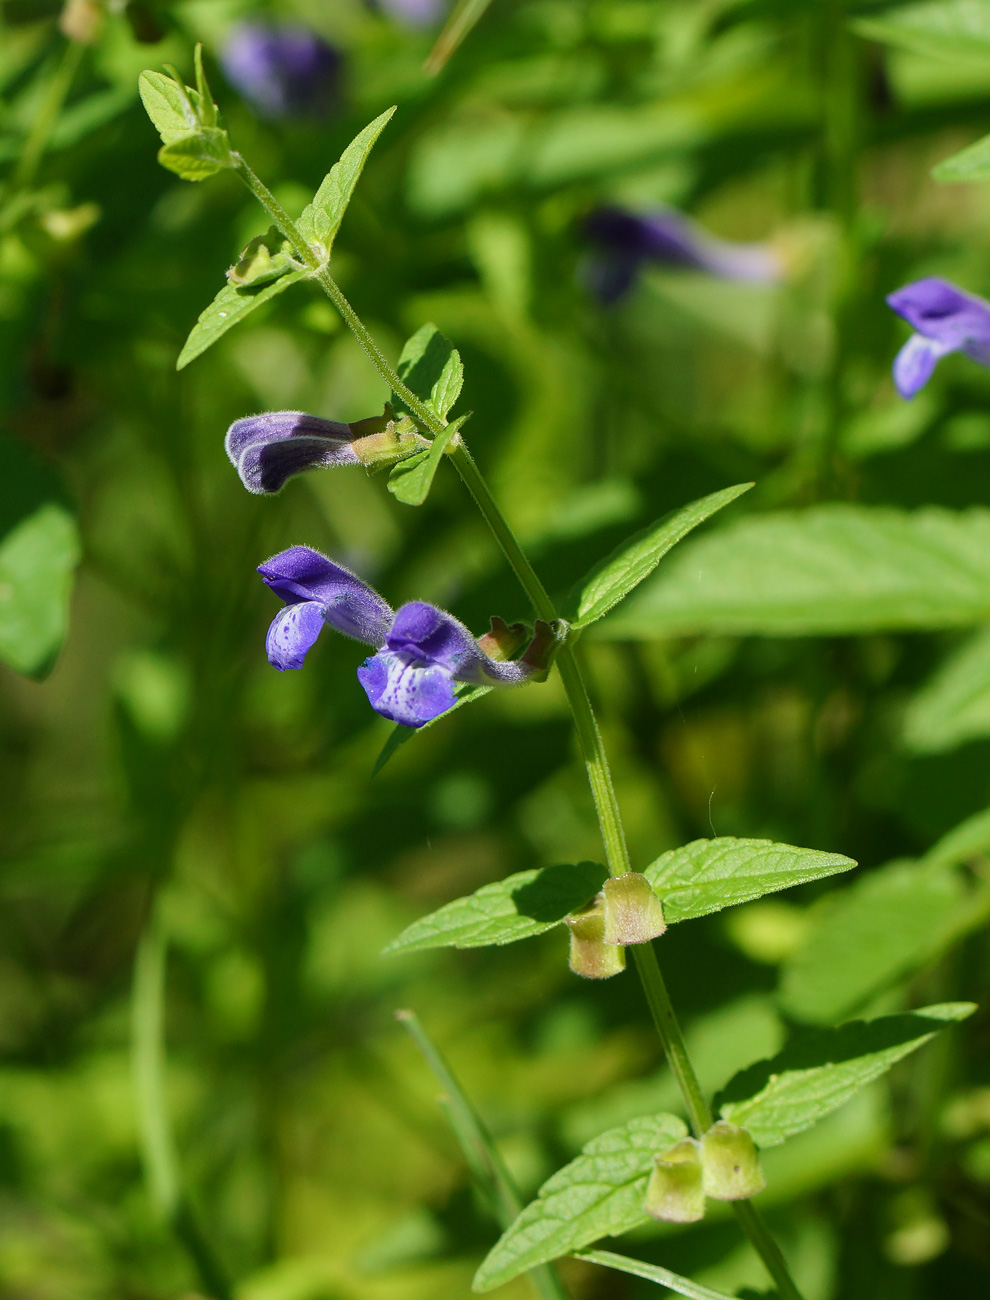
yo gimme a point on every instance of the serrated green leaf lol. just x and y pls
(885, 924)
(410, 481)
(627, 566)
(954, 705)
(321, 219)
(652, 1273)
(168, 106)
(708, 875)
(950, 28)
(196, 156)
(969, 164)
(597, 1195)
(823, 1068)
(38, 557)
(230, 306)
(518, 907)
(431, 366)
(831, 569)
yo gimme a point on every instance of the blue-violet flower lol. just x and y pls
(270, 448)
(282, 70)
(946, 319)
(626, 240)
(422, 650)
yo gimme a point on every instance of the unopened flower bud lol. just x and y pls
(674, 1192)
(633, 913)
(730, 1164)
(590, 955)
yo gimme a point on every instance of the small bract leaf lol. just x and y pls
(613, 579)
(833, 569)
(168, 106)
(321, 219)
(410, 481)
(431, 366)
(197, 156)
(821, 1069)
(518, 907)
(707, 875)
(231, 305)
(597, 1195)
(970, 164)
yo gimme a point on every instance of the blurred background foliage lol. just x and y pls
(162, 756)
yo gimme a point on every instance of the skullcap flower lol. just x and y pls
(626, 240)
(946, 319)
(282, 70)
(422, 650)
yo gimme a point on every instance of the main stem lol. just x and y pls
(592, 749)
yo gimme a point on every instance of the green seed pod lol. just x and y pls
(674, 1192)
(633, 913)
(730, 1164)
(590, 955)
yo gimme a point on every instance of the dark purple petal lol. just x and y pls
(282, 70)
(348, 604)
(268, 449)
(405, 691)
(627, 239)
(423, 634)
(293, 630)
(941, 311)
(914, 364)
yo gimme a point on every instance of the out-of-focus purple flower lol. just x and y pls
(268, 449)
(426, 650)
(624, 241)
(282, 70)
(946, 320)
(318, 591)
(414, 13)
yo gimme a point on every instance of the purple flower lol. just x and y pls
(625, 240)
(318, 591)
(946, 320)
(426, 651)
(422, 650)
(414, 13)
(268, 449)
(281, 70)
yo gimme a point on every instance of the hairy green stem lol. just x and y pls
(157, 1144)
(480, 1151)
(593, 751)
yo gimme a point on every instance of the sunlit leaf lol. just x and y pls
(969, 164)
(410, 481)
(821, 1069)
(627, 566)
(321, 219)
(230, 306)
(653, 1273)
(831, 569)
(707, 875)
(197, 156)
(518, 907)
(597, 1195)
(431, 366)
(168, 106)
